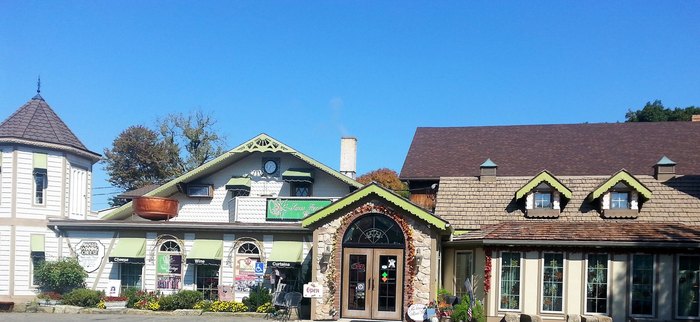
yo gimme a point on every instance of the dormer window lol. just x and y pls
(543, 196)
(620, 196)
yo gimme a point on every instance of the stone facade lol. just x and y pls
(418, 287)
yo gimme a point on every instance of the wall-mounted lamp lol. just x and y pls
(326, 256)
(418, 259)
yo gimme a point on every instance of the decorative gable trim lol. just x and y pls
(625, 176)
(547, 177)
(383, 193)
(260, 143)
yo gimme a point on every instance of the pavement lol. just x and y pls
(53, 317)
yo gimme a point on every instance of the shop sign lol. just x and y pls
(90, 254)
(281, 264)
(127, 260)
(416, 312)
(293, 209)
(203, 261)
(313, 290)
(169, 264)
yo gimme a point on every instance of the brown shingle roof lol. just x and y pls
(567, 149)
(549, 231)
(468, 203)
(35, 121)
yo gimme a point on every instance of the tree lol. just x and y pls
(139, 157)
(387, 178)
(656, 112)
(60, 276)
(196, 134)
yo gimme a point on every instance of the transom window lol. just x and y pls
(170, 246)
(248, 248)
(374, 230)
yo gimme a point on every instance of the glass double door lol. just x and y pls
(372, 283)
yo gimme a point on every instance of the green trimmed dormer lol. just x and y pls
(543, 196)
(620, 196)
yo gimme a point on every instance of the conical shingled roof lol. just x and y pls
(35, 122)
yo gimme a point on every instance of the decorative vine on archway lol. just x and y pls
(332, 276)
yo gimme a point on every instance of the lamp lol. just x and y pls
(418, 259)
(325, 256)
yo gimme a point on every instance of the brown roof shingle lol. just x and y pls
(35, 121)
(565, 149)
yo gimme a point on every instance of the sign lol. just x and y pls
(226, 293)
(203, 261)
(113, 288)
(127, 260)
(169, 264)
(259, 268)
(416, 312)
(313, 290)
(293, 209)
(90, 254)
(282, 264)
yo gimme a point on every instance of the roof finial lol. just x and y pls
(38, 85)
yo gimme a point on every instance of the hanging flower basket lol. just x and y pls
(155, 208)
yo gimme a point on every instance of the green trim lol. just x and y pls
(383, 193)
(260, 143)
(549, 179)
(240, 183)
(38, 243)
(129, 247)
(207, 249)
(286, 251)
(304, 175)
(40, 160)
(625, 176)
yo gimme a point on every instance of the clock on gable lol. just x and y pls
(270, 166)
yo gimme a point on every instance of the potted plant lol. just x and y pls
(445, 311)
(114, 302)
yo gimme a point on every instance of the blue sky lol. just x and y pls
(310, 72)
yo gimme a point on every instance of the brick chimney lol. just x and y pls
(665, 169)
(488, 171)
(348, 156)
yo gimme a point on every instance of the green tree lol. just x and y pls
(195, 136)
(387, 178)
(60, 276)
(139, 157)
(656, 112)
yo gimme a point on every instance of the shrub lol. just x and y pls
(50, 296)
(258, 296)
(131, 296)
(180, 300)
(145, 300)
(61, 276)
(83, 297)
(265, 308)
(204, 305)
(461, 314)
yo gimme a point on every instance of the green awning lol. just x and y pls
(37, 243)
(240, 183)
(40, 160)
(206, 252)
(129, 250)
(286, 253)
(300, 175)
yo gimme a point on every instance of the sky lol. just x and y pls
(309, 72)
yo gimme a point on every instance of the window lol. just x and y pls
(248, 248)
(642, 284)
(619, 200)
(597, 284)
(39, 187)
(510, 281)
(463, 271)
(37, 259)
(130, 275)
(199, 191)
(169, 265)
(543, 200)
(247, 255)
(207, 279)
(553, 282)
(300, 189)
(687, 286)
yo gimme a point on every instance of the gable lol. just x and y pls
(547, 177)
(374, 189)
(621, 176)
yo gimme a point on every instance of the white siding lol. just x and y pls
(22, 269)
(5, 240)
(5, 182)
(227, 262)
(98, 279)
(149, 273)
(188, 281)
(25, 185)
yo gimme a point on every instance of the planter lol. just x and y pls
(155, 208)
(115, 305)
